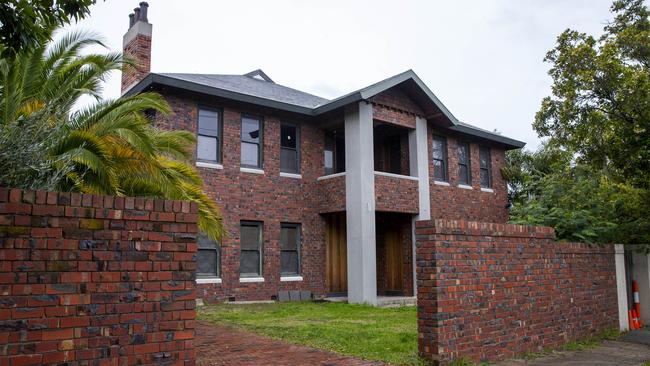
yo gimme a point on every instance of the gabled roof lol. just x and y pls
(429, 102)
(257, 88)
(260, 75)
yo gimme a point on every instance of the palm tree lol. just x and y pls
(107, 148)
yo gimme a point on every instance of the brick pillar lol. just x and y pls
(137, 48)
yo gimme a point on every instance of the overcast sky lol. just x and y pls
(482, 58)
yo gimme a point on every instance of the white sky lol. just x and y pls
(482, 58)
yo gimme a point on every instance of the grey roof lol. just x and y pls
(263, 91)
(466, 128)
(247, 84)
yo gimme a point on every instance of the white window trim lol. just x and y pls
(465, 186)
(488, 190)
(251, 170)
(208, 280)
(330, 176)
(393, 175)
(291, 175)
(291, 278)
(441, 183)
(251, 279)
(203, 164)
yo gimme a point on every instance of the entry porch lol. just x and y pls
(393, 281)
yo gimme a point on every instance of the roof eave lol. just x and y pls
(510, 144)
(157, 79)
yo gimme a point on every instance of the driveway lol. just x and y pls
(219, 345)
(607, 354)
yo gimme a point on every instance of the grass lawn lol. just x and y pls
(381, 334)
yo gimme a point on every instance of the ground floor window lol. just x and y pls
(290, 249)
(208, 261)
(250, 263)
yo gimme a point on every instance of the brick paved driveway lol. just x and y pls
(218, 345)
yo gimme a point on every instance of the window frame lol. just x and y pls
(444, 160)
(297, 149)
(260, 149)
(334, 137)
(260, 246)
(217, 250)
(298, 250)
(488, 168)
(468, 165)
(219, 138)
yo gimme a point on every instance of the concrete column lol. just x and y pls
(360, 204)
(419, 160)
(419, 166)
(623, 323)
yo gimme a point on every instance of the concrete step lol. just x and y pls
(383, 301)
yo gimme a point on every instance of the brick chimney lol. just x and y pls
(137, 47)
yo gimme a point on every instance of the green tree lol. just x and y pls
(549, 188)
(108, 148)
(591, 179)
(600, 103)
(24, 24)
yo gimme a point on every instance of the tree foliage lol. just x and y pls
(591, 180)
(600, 103)
(583, 204)
(109, 147)
(25, 24)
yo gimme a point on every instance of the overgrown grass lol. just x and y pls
(580, 345)
(381, 334)
(592, 342)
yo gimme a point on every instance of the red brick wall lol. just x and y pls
(98, 278)
(394, 106)
(266, 197)
(139, 51)
(394, 194)
(492, 291)
(455, 203)
(332, 194)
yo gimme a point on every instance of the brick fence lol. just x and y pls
(95, 280)
(493, 291)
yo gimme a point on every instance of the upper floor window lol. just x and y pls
(290, 249)
(289, 148)
(334, 152)
(208, 146)
(464, 168)
(486, 166)
(251, 142)
(440, 158)
(250, 260)
(208, 259)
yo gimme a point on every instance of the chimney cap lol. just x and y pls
(143, 11)
(139, 14)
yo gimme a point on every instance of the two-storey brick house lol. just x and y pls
(322, 195)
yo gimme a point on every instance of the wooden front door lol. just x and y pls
(337, 259)
(394, 271)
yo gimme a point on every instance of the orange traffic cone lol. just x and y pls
(637, 303)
